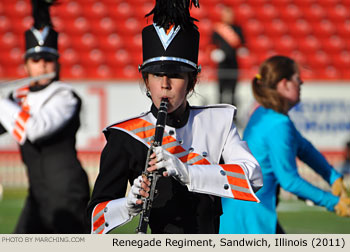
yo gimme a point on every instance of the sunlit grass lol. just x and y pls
(294, 215)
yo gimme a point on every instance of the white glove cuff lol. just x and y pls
(8, 113)
(208, 179)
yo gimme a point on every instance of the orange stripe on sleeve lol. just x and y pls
(232, 168)
(189, 157)
(100, 207)
(23, 116)
(203, 161)
(19, 126)
(243, 196)
(100, 221)
(21, 92)
(238, 182)
(17, 135)
(25, 107)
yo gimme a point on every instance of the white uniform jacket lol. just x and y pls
(33, 115)
(219, 162)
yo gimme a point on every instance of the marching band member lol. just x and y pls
(202, 153)
(227, 37)
(276, 143)
(43, 117)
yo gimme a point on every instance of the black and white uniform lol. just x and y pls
(203, 137)
(228, 69)
(44, 122)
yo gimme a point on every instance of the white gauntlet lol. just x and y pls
(132, 197)
(172, 164)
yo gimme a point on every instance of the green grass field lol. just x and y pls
(295, 217)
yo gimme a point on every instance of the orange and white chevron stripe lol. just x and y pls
(238, 182)
(98, 218)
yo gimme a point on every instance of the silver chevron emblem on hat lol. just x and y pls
(166, 36)
(41, 35)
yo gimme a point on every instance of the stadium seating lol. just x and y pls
(101, 39)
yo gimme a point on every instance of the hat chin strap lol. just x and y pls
(169, 58)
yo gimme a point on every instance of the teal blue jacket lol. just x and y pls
(276, 143)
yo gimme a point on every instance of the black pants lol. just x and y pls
(227, 83)
(37, 218)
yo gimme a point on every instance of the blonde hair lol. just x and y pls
(271, 72)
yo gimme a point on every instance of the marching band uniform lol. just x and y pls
(177, 208)
(227, 37)
(202, 141)
(44, 119)
(44, 123)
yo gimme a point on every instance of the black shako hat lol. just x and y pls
(41, 40)
(171, 43)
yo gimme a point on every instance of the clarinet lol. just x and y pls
(153, 176)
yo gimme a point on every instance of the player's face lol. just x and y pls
(40, 66)
(171, 86)
(292, 90)
(227, 15)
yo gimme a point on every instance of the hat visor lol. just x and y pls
(167, 67)
(42, 55)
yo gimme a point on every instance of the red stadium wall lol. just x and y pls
(101, 39)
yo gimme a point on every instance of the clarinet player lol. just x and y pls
(202, 154)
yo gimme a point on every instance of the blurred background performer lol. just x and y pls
(276, 143)
(344, 168)
(43, 117)
(194, 142)
(227, 37)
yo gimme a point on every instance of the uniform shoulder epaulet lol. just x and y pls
(223, 105)
(59, 85)
(125, 120)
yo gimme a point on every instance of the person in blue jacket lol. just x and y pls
(276, 143)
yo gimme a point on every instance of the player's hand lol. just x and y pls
(138, 190)
(339, 189)
(173, 166)
(343, 207)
